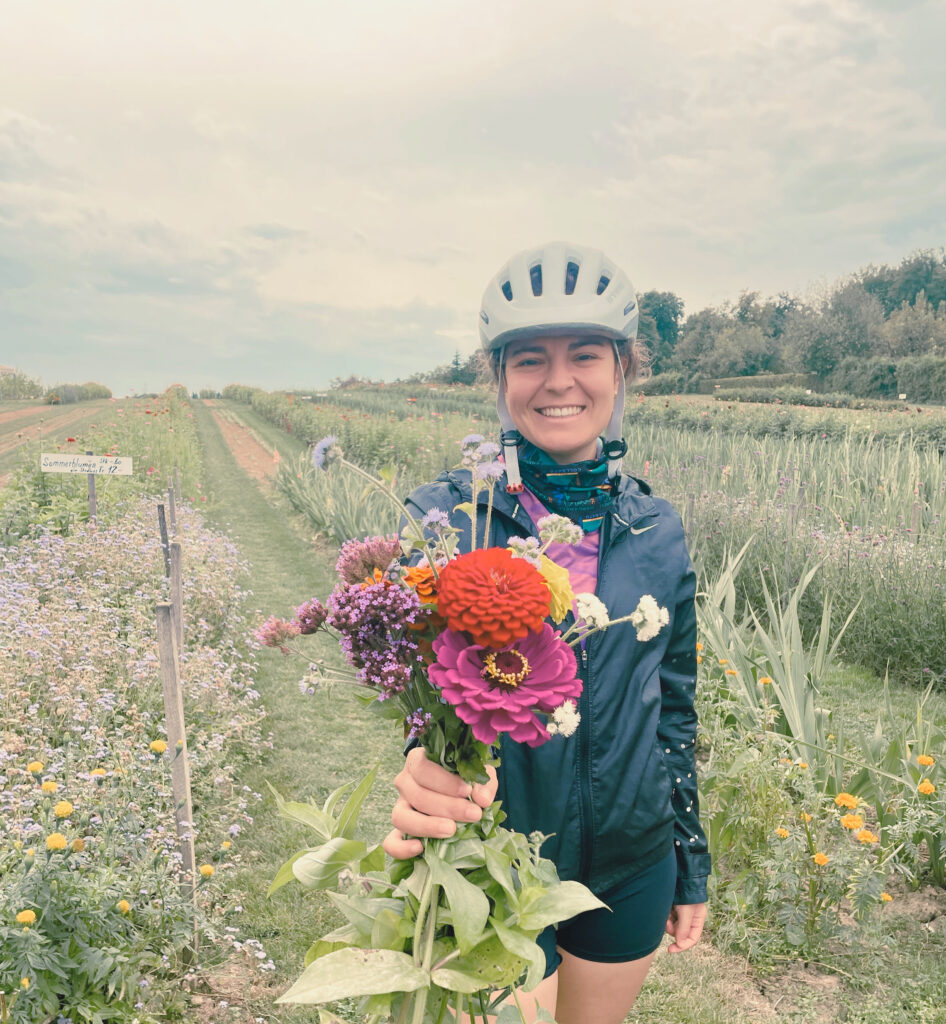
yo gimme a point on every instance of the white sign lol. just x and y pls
(100, 465)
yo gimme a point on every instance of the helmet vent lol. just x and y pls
(507, 291)
(535, 273)
(571, 277)
(603, 283)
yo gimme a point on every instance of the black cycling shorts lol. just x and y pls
(633, 927)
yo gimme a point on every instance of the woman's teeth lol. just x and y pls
(565, 410)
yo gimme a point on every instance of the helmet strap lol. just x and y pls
(509, 436)
(615, 429)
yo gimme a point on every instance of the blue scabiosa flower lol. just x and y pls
(325, 452)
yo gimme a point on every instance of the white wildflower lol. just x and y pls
(525, 547)
(592, 610)
(559, 530)
(565, 719)
(649, 618)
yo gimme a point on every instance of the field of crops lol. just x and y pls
(820, 538)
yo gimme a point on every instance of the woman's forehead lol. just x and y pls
(549, 344)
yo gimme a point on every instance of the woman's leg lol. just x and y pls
(596, 993)
(542, 995)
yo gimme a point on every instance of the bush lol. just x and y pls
(867, 378)
(923, 379)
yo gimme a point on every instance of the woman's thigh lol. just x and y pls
(603, 993)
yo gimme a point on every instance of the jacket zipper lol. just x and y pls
(585, 806)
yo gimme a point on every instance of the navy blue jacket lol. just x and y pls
(616, 794)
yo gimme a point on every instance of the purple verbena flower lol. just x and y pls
(276, 633)
(310, 616)
(358, 559)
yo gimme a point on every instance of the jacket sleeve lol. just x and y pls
(676, 732)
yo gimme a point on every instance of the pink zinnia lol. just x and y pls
(358, 559)
(500, 691)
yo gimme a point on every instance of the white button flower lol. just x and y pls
(592, 610)
(649, 618)
(565, 719)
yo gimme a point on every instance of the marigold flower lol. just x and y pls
(97, 773)
(852, 821)
(699, 659)
(157, 746)
(35, 767)
(55, 841)
(225, 845)
(699, 646)
(731, 672)
(78, 844)
(821, 859)
(206, 870)
(493, 596)
(63, 809)
(926, 788)
(846, 800)
(925, 760)
(124, 906)
(26, 917)
(560, 588)
(49, 786)
(782, 833)
(805, 816)
(886, 897)
(765, 680)
(24, 983)
(866, 836)
(724, 661)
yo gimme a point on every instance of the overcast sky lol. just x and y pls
(282, 193)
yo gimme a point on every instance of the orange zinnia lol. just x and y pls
(421, 579)
(492, 596)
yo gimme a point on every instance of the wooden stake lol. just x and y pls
(163, 527)
(177, 746)
(172, 511)
(177, 600)
(93, 504)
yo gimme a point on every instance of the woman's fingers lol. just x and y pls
(396, 846)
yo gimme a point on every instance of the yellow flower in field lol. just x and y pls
(731, 672)
(821, 859)
(699, 647)
(206, 870)
(784, 760)
(55, 841)
(24, 983)
(765, 680)
(866, 836)
(926, 788)
(699, 659)
(831, 736)
(63, 809)
(97, 773)
(124, 906)
(724, 661)
(926, 760)
(846, 800)
(782, 833)
(852, 821)
(158, 746)
(886, 897)
(802, 764)
(225, 845)
(49, 786)
(805, 816)
(26, 917)
(30, 852)
(78, 844)
(35, 767)
(561, 589)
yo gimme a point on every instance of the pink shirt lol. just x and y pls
(581, 560)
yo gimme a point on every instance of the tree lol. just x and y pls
(659, 325)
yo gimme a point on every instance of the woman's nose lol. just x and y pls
(559, 376)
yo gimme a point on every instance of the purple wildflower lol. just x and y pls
(471, 441)
(436, 520)
(310, 616)
(489, 470)
(325, 452)
(418, 721)
(358, 559)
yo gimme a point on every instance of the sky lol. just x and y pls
(280, 194)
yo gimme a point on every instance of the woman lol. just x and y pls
(618, 799)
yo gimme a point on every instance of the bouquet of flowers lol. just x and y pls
(457, 648)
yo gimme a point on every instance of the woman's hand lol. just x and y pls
(431, 801)
(685, 924)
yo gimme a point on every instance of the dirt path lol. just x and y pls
(16, 414)
(12, 438)
(255, 460)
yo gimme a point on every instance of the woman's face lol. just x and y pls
(560, 393)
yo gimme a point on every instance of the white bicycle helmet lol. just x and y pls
(558, 289)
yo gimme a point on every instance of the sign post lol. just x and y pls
(92, 465)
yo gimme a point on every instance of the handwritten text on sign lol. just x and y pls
(100, 465)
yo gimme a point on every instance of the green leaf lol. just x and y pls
(385, 931)
(499, 865)
(456, 980)
(524, 948)
(351, 973)
(373, 861)
(284, 874)
(348, 816)
(307, 814)
(558, 904)
(361, 911)
(489, 962)
(319, 868)
(468, 903)
(322, 947)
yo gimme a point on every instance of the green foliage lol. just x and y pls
(923, 379)
(17, 386)
(64, 394)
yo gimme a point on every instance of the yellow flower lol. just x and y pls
(886, 897)
(699, 659)
(35, 767)
(926, 788)
(846, 800)
(765, 680)
(26, 917)
(831, 736)
(805, 816)
(866, 836)
(802, 764)
(158, 746)
(852, 821)
(926, 760)
(206, 870)
(97, 773)
(124, 906)
(225, 845)
(30, 852)
(55, 841)
(63, 809)
(821, 859)
(49, 786)
(724, 661)
(699, 646)
(78, 844)
(561, 589)
(782, 833)
(24, 982)
(731, 672)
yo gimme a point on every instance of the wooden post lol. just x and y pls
(93, 504)
(172, 511)
(163, 527)
(177, 483)
(177, 600)
(177, 745)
